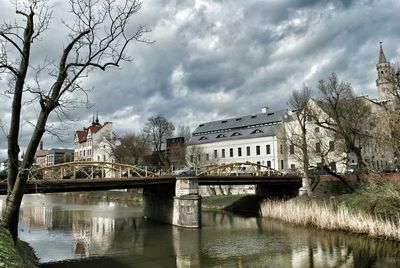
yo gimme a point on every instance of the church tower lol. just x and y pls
(385, 81)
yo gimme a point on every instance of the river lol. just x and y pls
(81, 230)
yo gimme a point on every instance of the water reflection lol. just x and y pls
(61, 227)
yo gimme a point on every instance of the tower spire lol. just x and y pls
(382, 58)
(97, 116)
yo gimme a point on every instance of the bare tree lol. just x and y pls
(299, 103)
(158, 130)
(345, 115)
(184, 131)
(132, 148)
(98, 38)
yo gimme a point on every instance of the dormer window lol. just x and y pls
(238, 119)
(224, 121)
(256, 131)
(203, 138)
(221, 136)
(236, 134)
(201, 125)
(253, 116)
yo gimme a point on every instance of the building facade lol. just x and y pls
(94, 143)
(251, 138)
(52, 156)
(325, 149)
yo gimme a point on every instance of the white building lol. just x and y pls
(325, 148)
(251, 138)
(94, 143)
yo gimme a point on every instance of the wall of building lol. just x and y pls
(274, 158)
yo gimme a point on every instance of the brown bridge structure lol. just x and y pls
(167, 198)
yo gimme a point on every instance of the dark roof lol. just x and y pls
(249, 126)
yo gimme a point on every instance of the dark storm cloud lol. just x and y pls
(215, 59)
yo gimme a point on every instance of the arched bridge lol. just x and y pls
(101, 169)
(169, 198)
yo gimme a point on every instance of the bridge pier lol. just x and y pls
(187, 203)
(178, 204)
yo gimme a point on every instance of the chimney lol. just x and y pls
(264, 110)
(41, 145)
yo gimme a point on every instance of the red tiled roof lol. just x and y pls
(82, 134)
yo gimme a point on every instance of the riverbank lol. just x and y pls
(374, 210)
(21, 255)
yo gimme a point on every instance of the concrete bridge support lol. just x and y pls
(178, 204)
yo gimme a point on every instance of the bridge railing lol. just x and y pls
(89, 170)
(239, 169)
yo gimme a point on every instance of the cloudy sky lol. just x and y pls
(220, 59)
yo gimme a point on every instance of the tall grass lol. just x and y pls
(330, 216)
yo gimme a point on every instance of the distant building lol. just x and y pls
(175, 149)
(95, 143)
(386, 83)
(52, 156)
(250, 138)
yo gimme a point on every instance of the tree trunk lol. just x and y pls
(11, 214)
(305, 179)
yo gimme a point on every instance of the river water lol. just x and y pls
(81, 230)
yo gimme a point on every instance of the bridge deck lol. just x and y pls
(74, 185)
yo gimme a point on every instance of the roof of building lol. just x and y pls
(243, 127)
(82, 134)
(41, 153)
(382, 58)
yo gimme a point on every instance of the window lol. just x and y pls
(268, 149)
(317, 130)
(268, 163)
(292, 166)
(332, 146)
(215, 154)
(248, 150)
(236, 134)
(221, 136)
(231, 152)
(258, 165)
(207, 157)
(281, 147)
(332, 166)
(239, 152)
(257, 150)
(317, 147)
(282, 164)
(256, 131)
(223, 153)
(203, 138)
(291, 149)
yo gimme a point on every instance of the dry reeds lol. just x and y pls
(330, 216)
